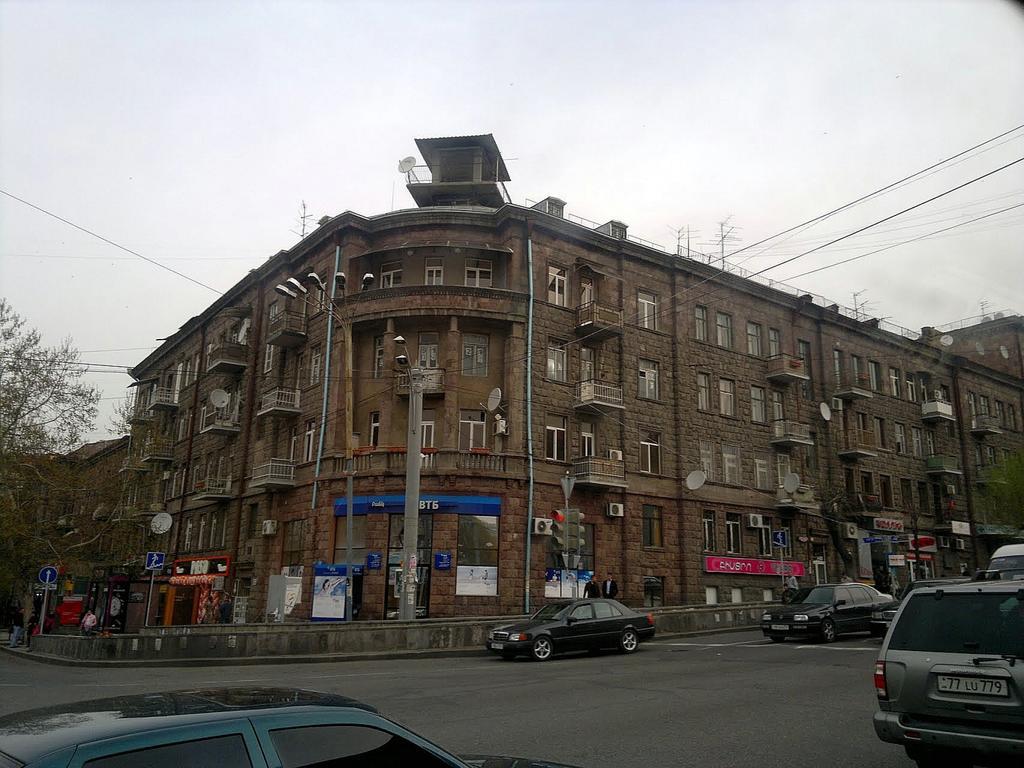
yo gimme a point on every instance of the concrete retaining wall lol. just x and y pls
(248, 642)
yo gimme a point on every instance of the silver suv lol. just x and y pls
(950, 677)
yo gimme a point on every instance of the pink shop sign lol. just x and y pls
(750, 567)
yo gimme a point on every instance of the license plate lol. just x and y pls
(979, 686)
(497, 646)
(782, 627)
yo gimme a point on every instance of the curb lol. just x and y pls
(440, 653)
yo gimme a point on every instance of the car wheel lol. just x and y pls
(776, 638)
(542, 648)
(828, 631)
(629, 641)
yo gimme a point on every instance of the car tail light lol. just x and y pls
(650, 619)
(880, 688)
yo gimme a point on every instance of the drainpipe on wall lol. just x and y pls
(250, 399)
(327, 379)
(968, 490)
(529, 423)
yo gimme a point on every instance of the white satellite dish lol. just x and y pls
(825, 411)
(406, 164)
(791, 482)
(219, 398)
(494, 400)
(1004, 352)
(946, 340)
(695, 480)
(979, 347)
(161, 523)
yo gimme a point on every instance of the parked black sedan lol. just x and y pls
(577, 625)
(824, 612)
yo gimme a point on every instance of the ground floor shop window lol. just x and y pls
(711, 595)
(737, 595)
(396, 542)
(654, 591)
(767, 595)
(477, 572)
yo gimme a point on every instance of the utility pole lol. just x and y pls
(407, 606)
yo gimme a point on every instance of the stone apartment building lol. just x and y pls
(697, 411)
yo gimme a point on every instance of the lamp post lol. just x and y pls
(407, 604)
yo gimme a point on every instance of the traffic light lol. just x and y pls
(558, 533)
(567, 530)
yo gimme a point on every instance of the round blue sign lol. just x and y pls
(48, 574)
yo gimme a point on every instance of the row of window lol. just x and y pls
(734, 538)
(478, 273)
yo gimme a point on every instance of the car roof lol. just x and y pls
(970, 587)
(31, 734)
(1008, 550)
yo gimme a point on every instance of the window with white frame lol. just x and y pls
(556, 361)
(764, 538)
(703, 392)
(754, 346)
(916, 442)
(733, 534)
(707, 459)
(587, 445)
(650, 452)
(758, 409)
(929, 442)
(731, 464)
(427, 350)
(554, 438)
(268, 358)
(474, 354)
(378, 357)
(314, 364)
(471, 430)
(434, 271)
(700, 319)
(375, 428)
(774, 342)
(911, 388)
(709, 520)
(727, 397)
(762, 475)
(894, 382)
(556, 286)
(647, 310)
(187, 539)
(875, 375)
(723, 329)
(391, 274)
(778, 406)
(647, 386)
(309, 440)
(478, 273)
(900, 445)
(781, 468)
(588, 364)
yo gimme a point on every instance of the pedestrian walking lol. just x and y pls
(592, 589)
(88, 623)
(32, 629)
(17, 627)
(226, 609)
(609, 588)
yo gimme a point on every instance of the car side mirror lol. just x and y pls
(570, 619)
(840, 602)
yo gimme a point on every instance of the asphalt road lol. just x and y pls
(717, 701)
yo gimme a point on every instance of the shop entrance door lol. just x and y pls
(181, 610)
(396, 538)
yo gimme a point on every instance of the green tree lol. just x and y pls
(1003, 496)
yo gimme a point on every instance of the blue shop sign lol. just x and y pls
(374, 561)
(395, 505)
(442, 561)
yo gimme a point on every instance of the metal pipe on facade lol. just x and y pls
(327, 380)
(529, 423)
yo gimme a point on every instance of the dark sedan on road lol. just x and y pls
(578, 625)
(223, 728)
(825, 612)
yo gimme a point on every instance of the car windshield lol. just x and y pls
(549, 611)
(1009, 566)
(975, 623)
(822, 595)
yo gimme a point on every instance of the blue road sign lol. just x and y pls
(48, 574)
(374, 560)
(154, 561)
(780, 539)
(872, 539)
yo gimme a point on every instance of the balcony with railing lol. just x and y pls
(227, 357)
(163, 399)
(279, 402)
(598, 396)
(431, 379)
(786, 434)
(937, 410)
(854, 387)
(597, 321)
(985, 424)
(133, 463)
(987, 477)
(220, 421)
(157, 450)
(213, 489)
(141, 415)
(801, 498)
(858, 444)
(286, 329)
(273, 474)
(442, 461)
(784, 369)
(601, 473)
(940, 464)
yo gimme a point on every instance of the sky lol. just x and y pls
(191, 132)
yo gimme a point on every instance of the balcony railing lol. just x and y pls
(279, 402)
(590, 470)
(854, 387)
(164, 398)
(784, 369)
(213, 488)
(985, 424)
(597, 320)
(939, 464)
(286, 329)
(442, 461)
(220, 420)
(276, 473)
(789, 433)
(156, 450)
(432, 380)
(859, 444)
(599, 396)
(227, 357)
(937, 410)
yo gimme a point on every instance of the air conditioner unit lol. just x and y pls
(961, 544)
(614, 454)
(615, 509)
(944, 542)
(837, 404)
(755, 521)
(269, 527)
(950, 489)
(542, 526)
(849, 530)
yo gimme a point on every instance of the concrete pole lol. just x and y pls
(407, 606)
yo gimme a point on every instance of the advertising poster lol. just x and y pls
(476, 580)
(562, 583)
(329, 590)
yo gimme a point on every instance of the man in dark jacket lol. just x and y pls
(592, 589)
(609, 588)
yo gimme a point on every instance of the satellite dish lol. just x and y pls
(946, 340)
(791, 482)
(161, 523)
(219, 398)
(406, 164)
(494, 400)
(1004, 352)
(695, 480)
(979, 347)
(826, 412)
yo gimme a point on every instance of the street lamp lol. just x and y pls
(407, 605)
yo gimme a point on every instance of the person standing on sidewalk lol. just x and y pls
(17, 627)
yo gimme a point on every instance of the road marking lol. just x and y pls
(837, 648)
(748, 643)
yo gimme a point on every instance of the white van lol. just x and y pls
(1007, 563)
